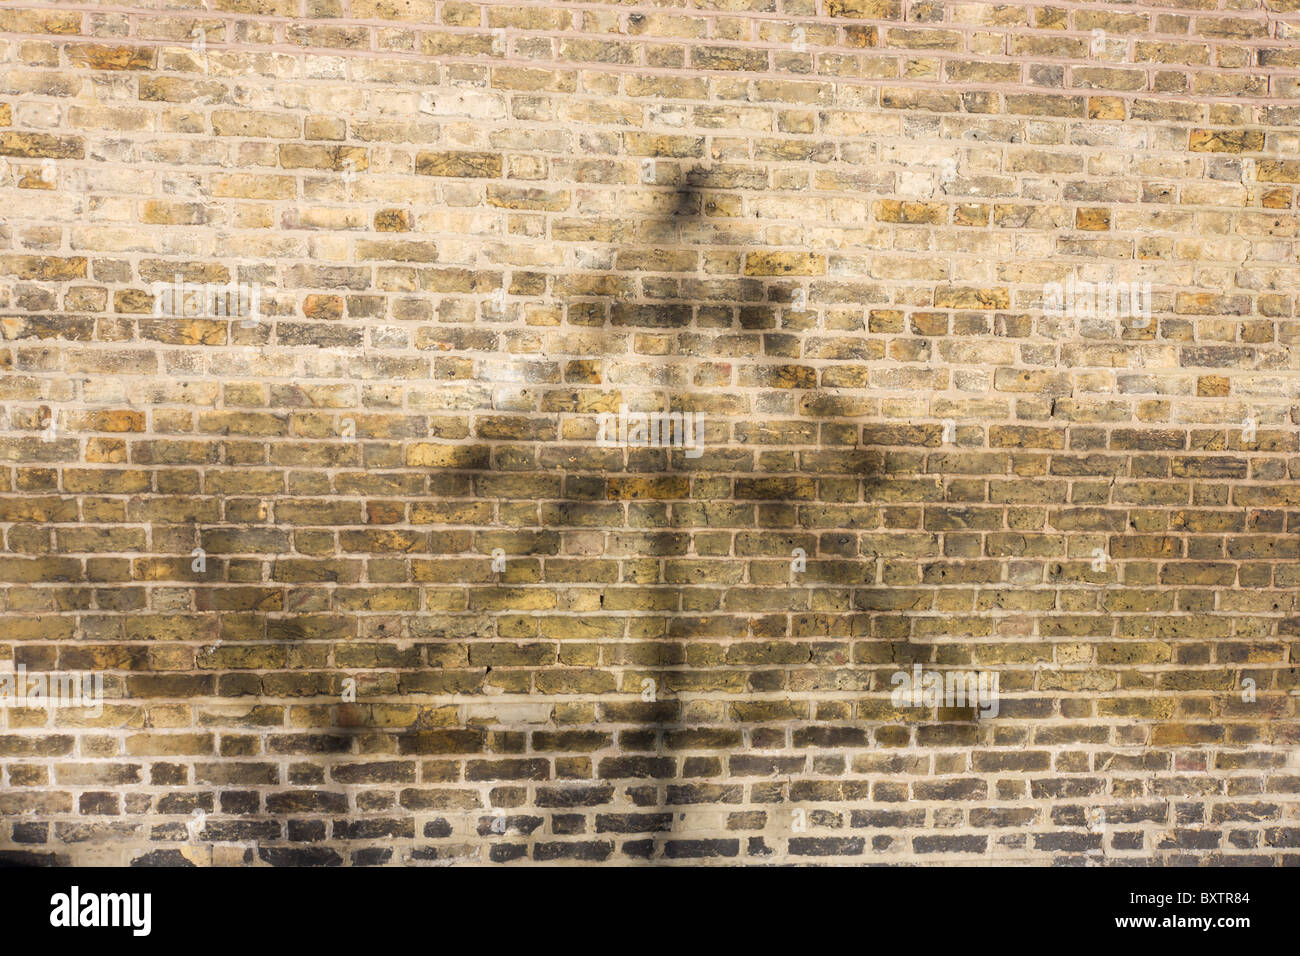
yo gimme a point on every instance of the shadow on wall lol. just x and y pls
(687, 577)
(735, 598)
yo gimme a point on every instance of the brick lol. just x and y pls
(369, 583)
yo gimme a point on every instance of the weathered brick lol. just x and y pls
(384, 573)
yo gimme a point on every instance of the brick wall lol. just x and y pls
(371, 574)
